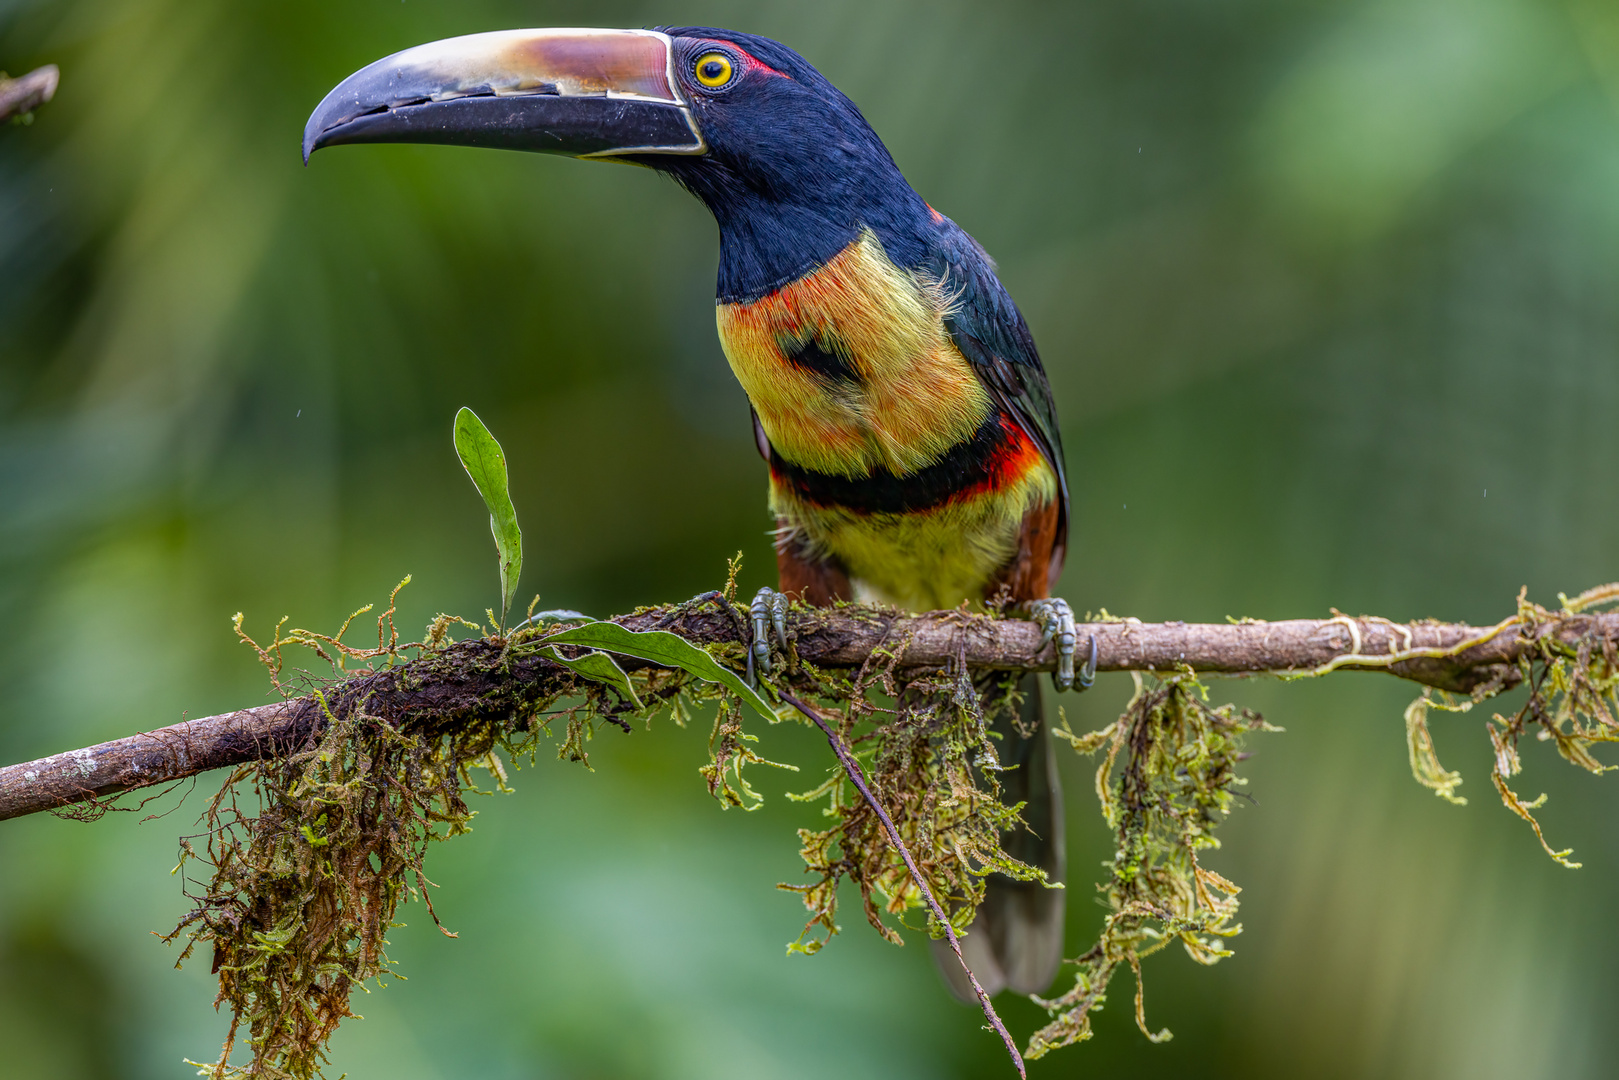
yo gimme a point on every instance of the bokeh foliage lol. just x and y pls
(1327, 292)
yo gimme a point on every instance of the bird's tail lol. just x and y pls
(1015, 941)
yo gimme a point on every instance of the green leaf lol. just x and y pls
(598, 667)
(485, 462)
(669, 650)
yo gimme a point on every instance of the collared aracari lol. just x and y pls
(897, 396)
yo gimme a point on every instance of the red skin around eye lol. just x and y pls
(749, 61)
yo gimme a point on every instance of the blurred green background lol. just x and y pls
(1329, 295)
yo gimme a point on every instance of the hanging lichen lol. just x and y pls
(1166, 783)
(933, 765)
(1573, 700)
(303, 892)
(314, 847)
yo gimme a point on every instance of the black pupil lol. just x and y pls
(713, 69)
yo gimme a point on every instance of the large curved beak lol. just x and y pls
(584, 93)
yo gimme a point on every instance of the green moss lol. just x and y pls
(1166, 782)
(1573, 700)
(311, 853)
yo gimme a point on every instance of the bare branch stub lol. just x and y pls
(840, 637)
(154, 757)
(28, 92)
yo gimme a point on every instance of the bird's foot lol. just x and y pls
(769, 609)
(1056, 620)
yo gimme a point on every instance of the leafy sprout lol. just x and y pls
(485, 463)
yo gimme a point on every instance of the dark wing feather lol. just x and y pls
(988, 328)
(1016, 938)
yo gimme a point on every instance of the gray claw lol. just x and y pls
(778, 615)
(1087, 674)
(1056, 620)
(769, 609)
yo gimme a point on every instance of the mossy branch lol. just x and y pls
(354, 778)
(472, 678)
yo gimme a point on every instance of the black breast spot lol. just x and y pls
(826, 357)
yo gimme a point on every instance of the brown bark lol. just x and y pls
(842, 637)
(28, 92)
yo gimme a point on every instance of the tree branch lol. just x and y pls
(28, 92)
(485, 679)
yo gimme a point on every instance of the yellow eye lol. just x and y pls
(713, 69)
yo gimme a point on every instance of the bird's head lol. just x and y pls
(788, 166)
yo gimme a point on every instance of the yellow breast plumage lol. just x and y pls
(889, 455)
(892, 392)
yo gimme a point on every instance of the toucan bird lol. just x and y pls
(897, 396)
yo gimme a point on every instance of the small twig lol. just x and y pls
(852, 767)
(29, 92)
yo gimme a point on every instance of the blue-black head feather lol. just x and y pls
(793, 172)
